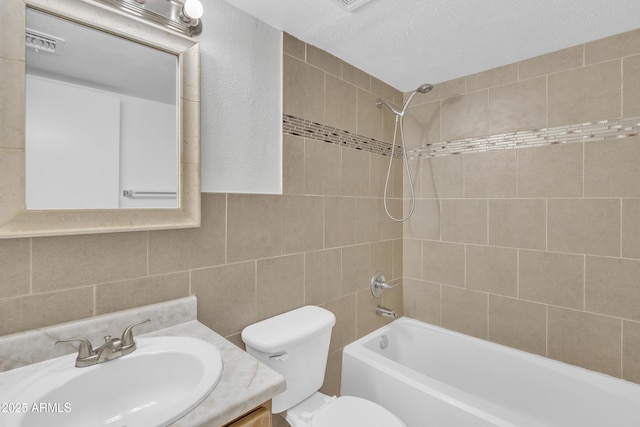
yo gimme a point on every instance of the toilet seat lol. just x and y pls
(349, 411)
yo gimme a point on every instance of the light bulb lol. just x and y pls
(193, 9)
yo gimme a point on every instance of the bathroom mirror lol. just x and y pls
(167, 193)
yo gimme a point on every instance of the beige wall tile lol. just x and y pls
(611, 168)
(356, 76)
(344, 331)
(624, 44)
(631, 228)
(517, 223)
(340, 221)
(447, 89)
(518, 324)
(630, 87)
(584, 226)
(303, 223)
(332, 375)
(442, 177)
(369, 220)
(415, 169)
(464, 311)
(552, 278)
(117, 296)
(551, 171)
(303, 90)
(366, 319)
(425, 221)
(293, 46)
(518, 106)
(561, 60)
(292, 165)
(280, 285)
(412, 258)
(464, 221)
(340, 104)
(15, 265)
(355, 172)
(392, 229)
(443, 263)
(491, 174)
(254, 226)
(421, 300)
(398, 257)
(72, 261)
(323, 168)
(382, 259)
(585, 94)
(45, 309)
(492, 269)
(456, 112)
(494, 77)
(356, 269)
(369, 116)
(379, 168)
(12, 104)
(584, 339)
(322, 276)
(226, 296)
(611, 287)
(323, 59)
(177, 250)
(631, 351)
(382, 89)
(422, 124)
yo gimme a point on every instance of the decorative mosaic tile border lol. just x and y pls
(300, 127)
(594, 131)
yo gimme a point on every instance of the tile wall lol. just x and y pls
(536, 248)
(254, 256)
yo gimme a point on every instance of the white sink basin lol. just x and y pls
(162, 380)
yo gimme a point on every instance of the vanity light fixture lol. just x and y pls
(191, 13)
(179, 15)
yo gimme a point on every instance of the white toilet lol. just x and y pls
(296, 344)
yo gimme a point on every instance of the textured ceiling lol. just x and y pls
(408, 42)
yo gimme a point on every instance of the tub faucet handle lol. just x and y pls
(379, 284)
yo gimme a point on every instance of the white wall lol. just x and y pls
(241, 72)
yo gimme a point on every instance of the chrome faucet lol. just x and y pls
(386, 312)
(379, 284)
(111, 349)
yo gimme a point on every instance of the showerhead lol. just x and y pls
(425, 88)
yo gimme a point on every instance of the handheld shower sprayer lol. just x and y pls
(399, 115)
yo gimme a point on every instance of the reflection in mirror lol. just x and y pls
(101, 119)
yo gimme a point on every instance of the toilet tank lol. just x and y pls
(295, 344)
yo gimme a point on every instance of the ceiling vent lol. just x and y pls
(42, 42)
(350, 5)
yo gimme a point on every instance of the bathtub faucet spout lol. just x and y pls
(384, 311)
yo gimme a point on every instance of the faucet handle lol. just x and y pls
(84, 350)
(127, 335)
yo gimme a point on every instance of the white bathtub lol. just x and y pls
(432, 377)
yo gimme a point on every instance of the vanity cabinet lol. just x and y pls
(258, 417)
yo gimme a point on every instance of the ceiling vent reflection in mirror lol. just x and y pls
(183, 16)
(350, 5)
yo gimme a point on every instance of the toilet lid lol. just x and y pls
(349, 411)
